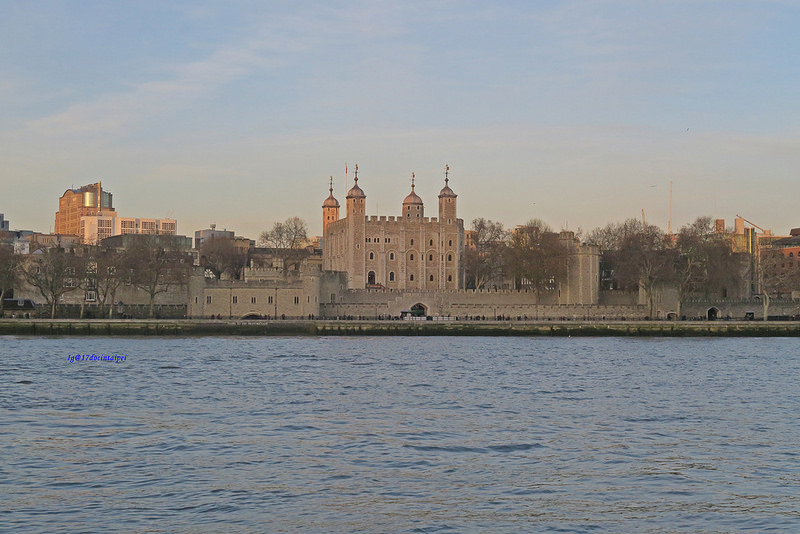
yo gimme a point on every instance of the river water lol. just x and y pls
(400, 434)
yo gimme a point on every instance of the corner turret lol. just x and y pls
(413, 208)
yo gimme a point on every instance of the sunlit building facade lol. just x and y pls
(404, 252)
(77, 203)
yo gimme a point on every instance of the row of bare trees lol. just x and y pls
(531, 255)
(221, 257)
(639, 256)
(149, 265)
(696, 262)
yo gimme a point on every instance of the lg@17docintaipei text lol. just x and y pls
(96, 358)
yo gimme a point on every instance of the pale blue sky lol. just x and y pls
(237, 112)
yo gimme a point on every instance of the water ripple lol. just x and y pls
(400, 434)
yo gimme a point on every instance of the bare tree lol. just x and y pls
(484, 262)
(779, 275)
(644, 258)
(220, 256)
(104, 273)
(155, 266)
(704, 261)
(287, 240)
(9, 271)
(610, 236)
(536, 257)
(53, 272)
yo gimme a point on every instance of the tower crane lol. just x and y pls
(754, 224)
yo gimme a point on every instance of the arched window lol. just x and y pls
(391, 276)
(449, 277)
(431, 243)
(411, 257)
(430, 257)
(450, 243)
(371, 277)
(431, 278)
(412, 242)
(372, 255)
(391, 255)
(449, 257)
(411, 278)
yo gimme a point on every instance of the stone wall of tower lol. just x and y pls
(356, 208)
(330, 214)
(334, 246)
(405, 254)
(408, 252)
(447, 209)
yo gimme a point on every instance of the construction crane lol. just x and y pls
(754, 224)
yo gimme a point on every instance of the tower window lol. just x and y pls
(411, 257)
(449, 277)
(412, 242)
(391, 276)
(431, 278)
(450, 243)
(449, 257)
(430, 257)
(372, 255)
(431, 243)
(411, 277)
(391, 255)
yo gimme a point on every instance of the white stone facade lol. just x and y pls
(95, 228)
(406, 252)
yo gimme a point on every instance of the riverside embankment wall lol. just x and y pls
(486, 304)
(187, 328)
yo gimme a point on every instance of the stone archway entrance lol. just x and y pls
(371, 278)
(713, 313)
(419, 310)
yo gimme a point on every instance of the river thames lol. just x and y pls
(399, 434)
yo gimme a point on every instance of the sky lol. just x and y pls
(579, 113)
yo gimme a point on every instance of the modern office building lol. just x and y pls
(84, 201)
(94, 228)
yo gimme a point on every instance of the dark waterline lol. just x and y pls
(434, 434)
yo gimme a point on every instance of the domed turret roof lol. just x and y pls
(355, 191)
(330, 202)
(412, 198)
(446, 191)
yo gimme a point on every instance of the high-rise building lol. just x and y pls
(4, 224)
(76, 203)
